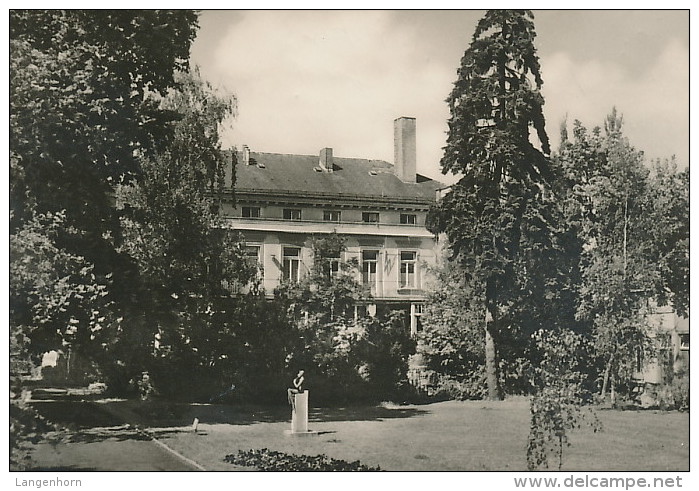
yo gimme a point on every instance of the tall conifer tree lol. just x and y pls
(496, 112)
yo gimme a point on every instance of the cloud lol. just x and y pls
(312, 79)
(307, 80)
(654, 103)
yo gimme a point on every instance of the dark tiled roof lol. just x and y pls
(350, 177)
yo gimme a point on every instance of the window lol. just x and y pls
(251, 212)
(370, 261)
(684, 342)
(331, 216)
(370, 217)
(364, 311)
(334, 266)
(291, 265)
(292, 214)
(416, 310)
(408, 269)
(331, 263)
(252, 254)
(252, 257)
(408, 218)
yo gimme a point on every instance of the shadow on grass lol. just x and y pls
(96, 435)
(76, 414)
(362, 413)
(91, 420)
(168, 414)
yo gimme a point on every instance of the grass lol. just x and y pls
(446, 436)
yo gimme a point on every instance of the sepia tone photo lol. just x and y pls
(349, 240)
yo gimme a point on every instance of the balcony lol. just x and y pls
(320, 227)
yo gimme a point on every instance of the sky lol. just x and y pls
(309, 79)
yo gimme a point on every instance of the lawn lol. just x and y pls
(445, 436)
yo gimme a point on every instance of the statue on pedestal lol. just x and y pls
(298, 400)
(296, 389)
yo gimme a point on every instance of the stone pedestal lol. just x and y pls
(299, 413)
(299, 416)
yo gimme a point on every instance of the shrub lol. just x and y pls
(271, 460)
(238, 353)
(346, 360)
(471, 388)
(382, 353)
(675, 394)
(27, 427)
(514, 376)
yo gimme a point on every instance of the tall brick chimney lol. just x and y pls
(246, 155)
(326, 159)
(404, 149)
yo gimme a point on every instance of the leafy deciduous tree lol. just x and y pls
(451, 341)
(668, 202)
(80, 108)
(171, 229)
(330, 288)
(559, 379)
(56, 299)
(625, 219)
(346, 358)
(82, 114)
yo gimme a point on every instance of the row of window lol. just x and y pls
(329, 215)
(408, 268)
(291, 266)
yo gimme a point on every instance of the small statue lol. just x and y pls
(296, 389)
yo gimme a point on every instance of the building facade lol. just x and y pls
(283, 201)
(670, 333)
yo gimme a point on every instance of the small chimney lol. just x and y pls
(246, 155)
(228, 169)
(404, 149)
(326, 159)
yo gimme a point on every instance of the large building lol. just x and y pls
(670, 333)
(282, 201)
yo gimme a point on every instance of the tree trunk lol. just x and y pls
(68, 365)
(605, 380)
(626, 226)
(560, 451)
(491, 369)
(491, 366)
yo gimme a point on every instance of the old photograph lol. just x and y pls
(349, 240)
